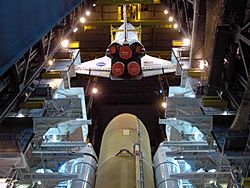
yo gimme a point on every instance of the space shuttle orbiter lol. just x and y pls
(125, 58)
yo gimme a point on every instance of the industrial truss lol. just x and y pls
(15, 84)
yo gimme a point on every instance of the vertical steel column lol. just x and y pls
(240, 122)
(198, 32)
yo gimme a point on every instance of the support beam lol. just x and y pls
(198, 33)
(55, 154)
(49, 176)
(186, 144)
(200, 176)
(149, 23)
(62, 144)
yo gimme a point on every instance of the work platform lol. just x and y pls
(55, 114)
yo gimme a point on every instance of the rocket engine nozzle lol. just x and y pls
(118, 68)
(134, 68)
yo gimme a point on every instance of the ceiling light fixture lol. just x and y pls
(164, 104)
(50, 62)
(75, 30)
(87, 12)
(202, 65)
(82, 19)
(186, 42)
(65, 43)
(94, 90)
(171, 18)
(175, 26)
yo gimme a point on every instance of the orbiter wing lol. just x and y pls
(152, 66)
(101, 67)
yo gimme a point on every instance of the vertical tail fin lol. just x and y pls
(125, 23)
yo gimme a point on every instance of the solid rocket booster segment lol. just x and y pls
(125, 156)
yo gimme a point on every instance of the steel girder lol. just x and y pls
(230, 57)
(184, 11)
(17, 80)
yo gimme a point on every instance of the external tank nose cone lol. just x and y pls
(122, 121)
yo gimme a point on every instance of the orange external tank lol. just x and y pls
(125, 157)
